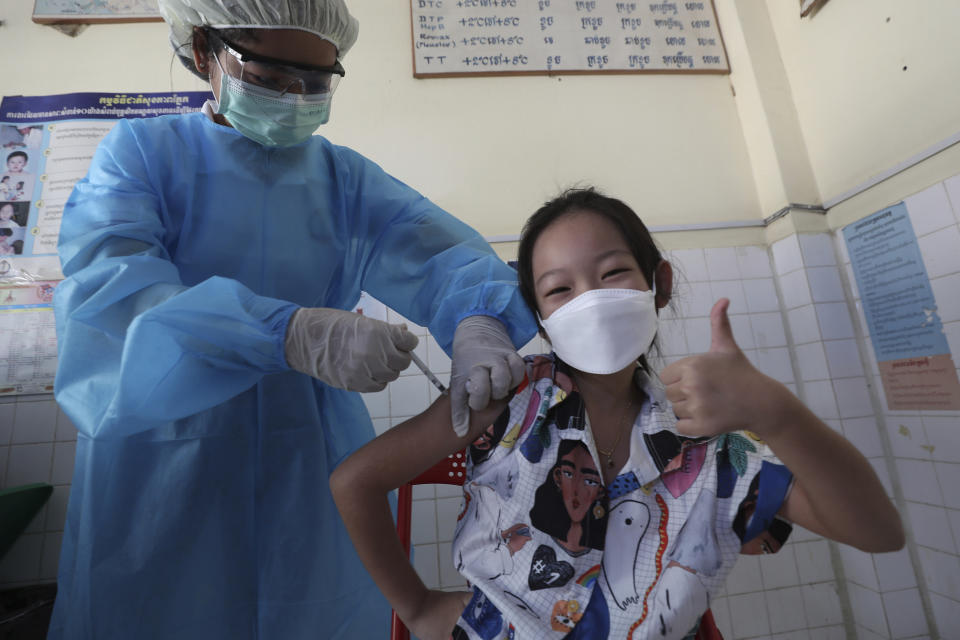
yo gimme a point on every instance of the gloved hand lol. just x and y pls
(485, 365)
(347, 350)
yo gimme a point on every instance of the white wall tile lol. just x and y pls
(427, 565)
(36, 523)
(437, 359)
(834, 318)
(424, 492)
(785, 608)
(795, 289)
(943, 434)
(380, 425)
(953, 515)
(377, 403)
(779, 569)
(918, 479)
(853, 397)
(825, 284)
(761, 295)
(672, 338)
(786, 255)
(864, 434)
(768, 330)
(834, 632)
(821, 602)
(721, 616)
(63, 457)
(946, 612)
(732, 290)
(942, 572)
(929, 210)
(754, 262)
(22, 562)
(804, 325)
(948, 473)
(931, 527)
(813, 561)
(4, 456)
(50, 558)
(691, 263)
(408, 396)
(423, 522)
(745, 576)
(904, 613)
(880, 468)
(843, 358)
(694, 300)
(697, 331)
(447, 511)
(7, 410)
(953, 193)
(817, 250)
(858, 567)
(421, 352)
(895, 570)
(449, 491)
(818, 396)
(748, 614)
(908, 439)
(940, 253)
(945, 293)
(35, 421)
(29, 463)
(449, 576)
(722, 263)
(775, 363)
(867, 608)
(66, 431)
(812, 361)
(57, 509)
(742, 331)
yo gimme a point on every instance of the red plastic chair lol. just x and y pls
(451, 470)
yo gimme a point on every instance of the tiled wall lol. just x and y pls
(794, 310)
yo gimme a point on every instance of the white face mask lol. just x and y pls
(603, 330)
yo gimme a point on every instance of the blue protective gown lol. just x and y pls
(200, 505)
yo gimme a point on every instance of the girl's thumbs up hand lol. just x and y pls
(720, 391)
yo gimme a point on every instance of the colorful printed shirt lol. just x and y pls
(553, 553)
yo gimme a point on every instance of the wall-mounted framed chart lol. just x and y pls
(550, 37)
(95, 11)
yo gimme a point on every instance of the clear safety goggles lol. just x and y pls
(278, 75)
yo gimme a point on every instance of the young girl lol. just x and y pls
(603, 502)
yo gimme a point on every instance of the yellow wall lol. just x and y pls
(488, 149)
(861, 112)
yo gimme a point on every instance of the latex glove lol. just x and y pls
(347, 350)
(485, 365)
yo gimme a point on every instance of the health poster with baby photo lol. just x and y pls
(46, 146)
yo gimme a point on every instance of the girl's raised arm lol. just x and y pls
(836, 492)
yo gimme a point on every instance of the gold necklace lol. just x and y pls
(609, 454)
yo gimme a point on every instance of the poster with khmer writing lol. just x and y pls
(46, 145)
(490, 37)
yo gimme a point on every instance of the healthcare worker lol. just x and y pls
(206, 354)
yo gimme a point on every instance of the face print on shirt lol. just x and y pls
(571, 503)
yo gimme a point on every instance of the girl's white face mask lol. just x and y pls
(603, 330)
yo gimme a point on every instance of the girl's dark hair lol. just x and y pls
(184, 52)
(549, 514)
(26, 158)
(589, 199)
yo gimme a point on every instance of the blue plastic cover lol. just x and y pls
(200, 505)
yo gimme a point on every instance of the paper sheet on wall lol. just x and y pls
(46, 146)
(916, 367)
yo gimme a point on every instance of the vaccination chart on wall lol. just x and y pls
(46, 145)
